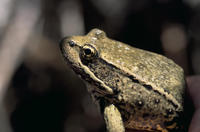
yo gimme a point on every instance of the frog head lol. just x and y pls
(81, 51)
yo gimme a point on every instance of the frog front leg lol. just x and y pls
(113, 119)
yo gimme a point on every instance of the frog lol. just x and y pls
(133, 88)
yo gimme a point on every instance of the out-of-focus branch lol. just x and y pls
(15, 41)
(5, 11)
(75, 25)
(12, 47)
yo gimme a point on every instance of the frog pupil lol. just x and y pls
(87, 51)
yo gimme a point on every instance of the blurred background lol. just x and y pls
(38, 91)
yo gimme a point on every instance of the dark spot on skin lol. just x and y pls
(103, 68)
(134, 79)
(145, 115)
(139, 103)
(157, 101)
(176, 106)
(71, 43)
(169, 111)
(167, 91)
(149, 87)
(158, 92)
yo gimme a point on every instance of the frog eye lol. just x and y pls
(89, 52)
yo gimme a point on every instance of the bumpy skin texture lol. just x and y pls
(146, 88)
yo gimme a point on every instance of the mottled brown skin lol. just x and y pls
(135, 89)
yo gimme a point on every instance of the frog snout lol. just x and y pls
(62, 43)
(70, 52)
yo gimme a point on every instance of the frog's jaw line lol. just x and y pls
(87, 70)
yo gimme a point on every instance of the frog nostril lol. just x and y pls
(71, 43)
